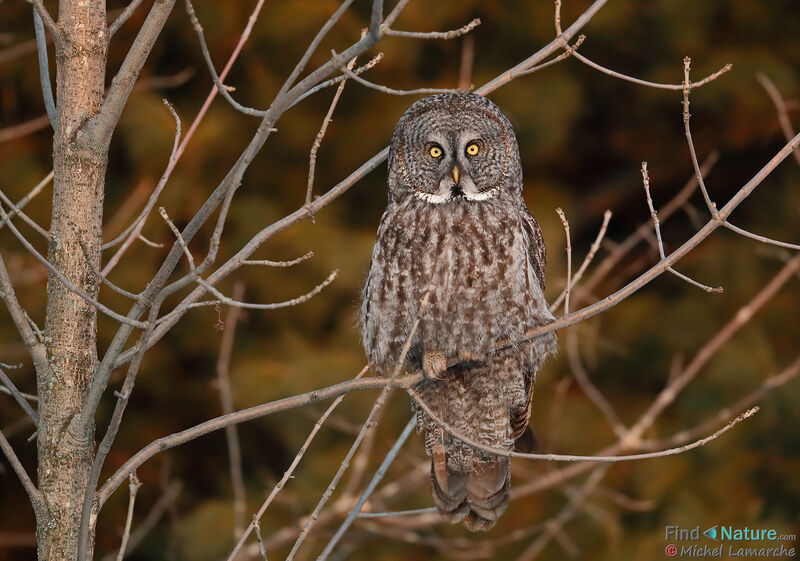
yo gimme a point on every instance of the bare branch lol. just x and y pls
(33, 493)
(15, 393)
(136, 225)
(221, 88)
(664, 264)
(47, 20)
(122, 18)
(27, 198)
(226, 400)
(467, 60)
(289, 263)
(691, 85)
(28, 396)
(152, 518)
(762, 239)
(586, 261)
(413, 512)
(452, 34)
(133, 488)
(44, 68)
(780, 107)
(15, 210)
(290, 470)
(369, 423)
(356, 510)
(591, 391)
(568, 52)
(657, 226)
(312, 157)
(577, 458)
(393, 91)
(712, 208)
(260, 540)
(65, 281)
(34, 345)
(255, 412)
(724, 415)
(338, 79)
(100, 127)
(569, 258)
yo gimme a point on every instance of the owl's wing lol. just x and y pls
(520, 416)
(524, 440)
(536, 248)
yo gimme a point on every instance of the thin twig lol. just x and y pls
(356, 510)
(452, 34)
(591, 391)
(759, 238)
(396, 513)
(338, 79)
(564, 222)
(659, 85)
(312, 155)
(27, 198)
(780, 106)
(33, 493)
(134, 230)
(122, 18)
(34, 344)
(44, 69)
(226, 400)
(51, 25)
(28, 396)
(221, 88)
(19, 397)
(392, 91)
(16, 211)
(578, 458)
(724, 415)
(65, 281)
(712, 208)
(289, 263)
(152, 518)
(368, 424)
(133, 488)
(290, 470)
(657, 226)
(260, 540)
(568, 52)
(586, 261)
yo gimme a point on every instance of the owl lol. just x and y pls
(457, 234)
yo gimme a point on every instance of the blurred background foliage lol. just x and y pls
(582, 137)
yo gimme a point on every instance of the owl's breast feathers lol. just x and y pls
(484, 266)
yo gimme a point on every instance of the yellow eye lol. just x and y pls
(436, 151)
(472, 149)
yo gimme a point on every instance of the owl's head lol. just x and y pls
(451, 148)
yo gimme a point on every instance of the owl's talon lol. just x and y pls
(434, 363)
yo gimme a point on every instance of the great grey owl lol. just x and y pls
(456, 229)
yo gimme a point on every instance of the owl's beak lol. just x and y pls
(455, 174)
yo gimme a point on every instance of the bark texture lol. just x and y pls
(70, 330)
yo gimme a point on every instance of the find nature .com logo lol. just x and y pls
(733, 536)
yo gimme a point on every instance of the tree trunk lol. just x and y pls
(71, 324)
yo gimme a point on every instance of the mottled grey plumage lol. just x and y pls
(467, 235)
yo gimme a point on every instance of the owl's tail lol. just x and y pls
(477, 497)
